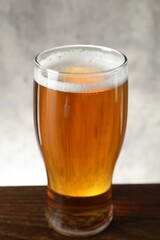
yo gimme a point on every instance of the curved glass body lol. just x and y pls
(80, 112)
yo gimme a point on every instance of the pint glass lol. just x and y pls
(80, 113)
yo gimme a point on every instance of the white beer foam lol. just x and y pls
(79, 58)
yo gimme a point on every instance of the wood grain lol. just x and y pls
(136, 214)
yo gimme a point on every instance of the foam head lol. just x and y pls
(80, 69)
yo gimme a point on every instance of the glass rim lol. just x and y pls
(98, 73)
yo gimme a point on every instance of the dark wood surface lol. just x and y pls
(136, 214)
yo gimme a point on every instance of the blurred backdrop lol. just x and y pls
(28, 27)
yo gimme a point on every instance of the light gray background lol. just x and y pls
(27, 27)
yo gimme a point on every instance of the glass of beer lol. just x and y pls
(80, 114)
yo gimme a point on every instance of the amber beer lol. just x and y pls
(80, 132)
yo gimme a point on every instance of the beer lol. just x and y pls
(81, 135)
(80, 129)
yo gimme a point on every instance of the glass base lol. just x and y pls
(79, 216)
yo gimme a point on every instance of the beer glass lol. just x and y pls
(80, 113)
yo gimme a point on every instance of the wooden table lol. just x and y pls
(136, 214)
